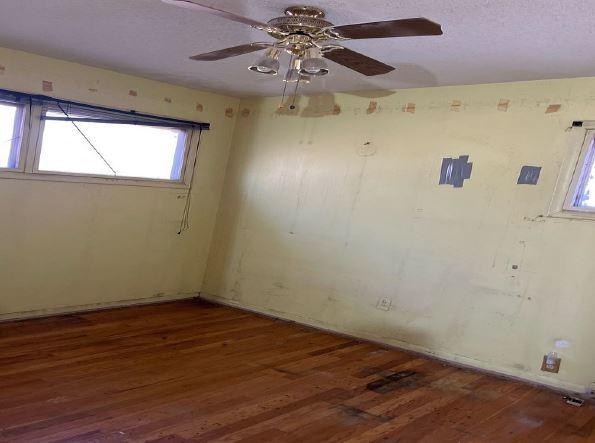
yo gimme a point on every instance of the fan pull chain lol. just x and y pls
(297, 84)
(281, 105)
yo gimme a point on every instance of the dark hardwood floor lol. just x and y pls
(192, 372)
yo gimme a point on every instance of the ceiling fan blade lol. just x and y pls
(230, 52)
(218, 12)
(409, 27)
(358, 62)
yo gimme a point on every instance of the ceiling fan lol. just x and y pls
(309, 39)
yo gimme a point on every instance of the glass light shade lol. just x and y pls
(314, 64)
(268, 64)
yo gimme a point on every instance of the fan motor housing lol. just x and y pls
(300, 20)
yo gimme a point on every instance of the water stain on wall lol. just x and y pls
(321, 105)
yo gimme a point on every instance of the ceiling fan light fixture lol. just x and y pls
(314, 64)
(303, 32)
(268, 64)
(293, 76)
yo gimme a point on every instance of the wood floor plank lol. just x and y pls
(191, 371)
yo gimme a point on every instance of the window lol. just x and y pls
(46, 138)
(581, 195)
(11, 117)
(584, 197)
(76, 144)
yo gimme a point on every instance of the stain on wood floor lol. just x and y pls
(195, 372)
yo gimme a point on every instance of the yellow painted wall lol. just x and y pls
(326, 212)
(65, 245)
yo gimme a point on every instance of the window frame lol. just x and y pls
(31, 145)
(585, 159)
(22, 121)
(582, 141)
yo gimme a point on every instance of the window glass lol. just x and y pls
(585, 191)
(111, 149)
(10, 135)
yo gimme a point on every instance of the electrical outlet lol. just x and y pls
(384, 304)
(574, 401)
(551, 363)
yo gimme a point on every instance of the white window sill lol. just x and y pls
(89, 179)
(577, 214)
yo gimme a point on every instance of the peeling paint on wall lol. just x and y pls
(93, 90)
(2, 69)
(229, 112)
(199, 107)
(455, 171)
(553, 108)
(47, 86)
(245, 112)
(409, 107)
(456, 105)
(167, 100)
(372, 107)
(133, 93)
(529, 175)
(336, 110)
(503, 105)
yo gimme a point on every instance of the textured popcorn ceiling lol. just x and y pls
(485, 40)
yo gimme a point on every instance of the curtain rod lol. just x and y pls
(199, 125)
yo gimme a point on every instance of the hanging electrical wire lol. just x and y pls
(185, 221)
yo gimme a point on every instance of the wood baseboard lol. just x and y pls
(62, 310)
